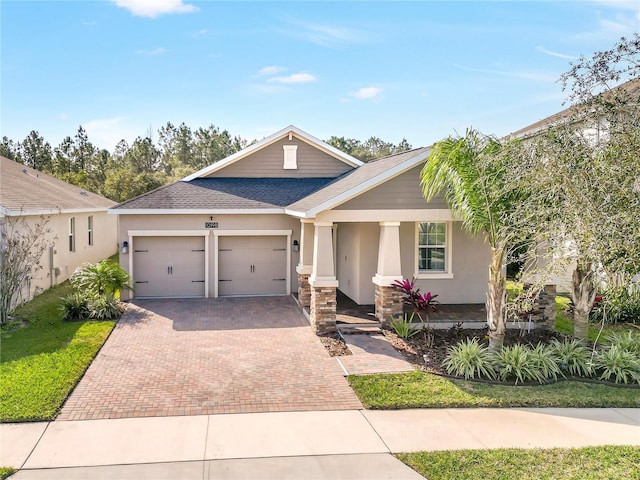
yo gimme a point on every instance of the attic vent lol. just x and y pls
(290, 157)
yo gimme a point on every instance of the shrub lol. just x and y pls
(573, 355)
(98, 279)
(75, 307)
(629, 341)
(104, 308)
(403, 326)
(545, 359)
(469, 359)
(618, 365)
(516, 363)
(619, 304)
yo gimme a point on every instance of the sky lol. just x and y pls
(415, 70)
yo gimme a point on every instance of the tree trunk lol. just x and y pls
(583, 293)
(496, 299)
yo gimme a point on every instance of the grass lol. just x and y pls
(41, 362)
(6, 472)
(424, 390)
(620, 462)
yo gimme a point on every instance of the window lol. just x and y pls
(90, 229)
(434, 250)
(72, 234)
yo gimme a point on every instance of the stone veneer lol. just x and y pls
(304, 290)
(323, 310)
(545, 308)
(388, 303)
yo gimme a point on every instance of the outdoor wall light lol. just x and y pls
(296, 246)
(125, 247)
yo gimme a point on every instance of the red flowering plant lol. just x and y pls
(420, 303)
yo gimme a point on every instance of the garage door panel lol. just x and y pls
(252, 265)
(169, 266)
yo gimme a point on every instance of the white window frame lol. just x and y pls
(90, 230)
(72, 234)
(435, 275)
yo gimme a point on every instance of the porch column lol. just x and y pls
(304, 268)
(388, 299)
(323, 280)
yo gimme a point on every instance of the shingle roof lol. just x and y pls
(227, 193)
(361, 175)
(25, 190)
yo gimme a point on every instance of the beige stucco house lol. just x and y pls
(291, 214)
(80, 230)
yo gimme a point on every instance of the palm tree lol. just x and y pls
(471, 173)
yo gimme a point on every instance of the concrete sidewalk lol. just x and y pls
(322, 444)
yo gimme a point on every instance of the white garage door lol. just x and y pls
(168, 266)
(252, 265)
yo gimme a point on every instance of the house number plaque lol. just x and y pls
(210, 224)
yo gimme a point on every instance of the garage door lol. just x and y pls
(252, 265)
(168, 266)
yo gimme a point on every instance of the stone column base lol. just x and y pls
(304, 290)
(545, 307)
(323, 310)
(388, 303)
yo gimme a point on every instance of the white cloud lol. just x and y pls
(556, 54)
(294, 78)
(107, 132)
(155, 51)
(90, 23)
(366, 93)
(199, 33)
(63, 116)
(270, 70)
(325, 35)
(535, 76)
(155, 8)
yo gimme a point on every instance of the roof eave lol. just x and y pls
(196, 211)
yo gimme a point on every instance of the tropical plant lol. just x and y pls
(469, 359)
(420, 303)
(472, 173)
(617, 364)
(574, 357)
(546, 361)
(516, 363)
(403, 326)
(104, 308)
(75, 306)
(97, 279)
(617, 304)
(628, 341)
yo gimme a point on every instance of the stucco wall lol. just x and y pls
(268, 162)
(197, 222)
(359, 243)
(104, 245)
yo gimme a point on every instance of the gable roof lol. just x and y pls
(25, 191)
(290, 130)
(358, 181)
(226, 194)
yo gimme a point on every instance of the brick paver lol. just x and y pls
(207, 356)
(372, 353)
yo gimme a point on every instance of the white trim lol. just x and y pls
(385, 280)
(318, 223)
(302, 135)
(389, 224)
(196, 211)
(250, 233)
(172, 233)
(323, 281)
(290, 157)
(366, 186)
(50, 211)
(304, 269)
(447, 274)
(408, 215)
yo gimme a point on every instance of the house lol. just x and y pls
(291, 214)
(80, 228)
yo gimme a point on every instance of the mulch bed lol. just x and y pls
(335, 345)
(416, 351)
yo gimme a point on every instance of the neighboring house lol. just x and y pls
(80, 228)
(293, 214)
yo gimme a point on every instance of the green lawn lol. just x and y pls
(424, 390)
(41, 362)
(6, 472)
(591, 463)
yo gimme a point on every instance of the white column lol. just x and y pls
(323, 273)
(306, 246)
(389, 265)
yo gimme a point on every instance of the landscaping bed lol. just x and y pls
(335, 345)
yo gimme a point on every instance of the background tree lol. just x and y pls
(22, 244)
(10, 149)
(35, 152)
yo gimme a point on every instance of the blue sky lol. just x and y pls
(418, 70)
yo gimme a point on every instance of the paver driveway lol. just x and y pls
(207, 356)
